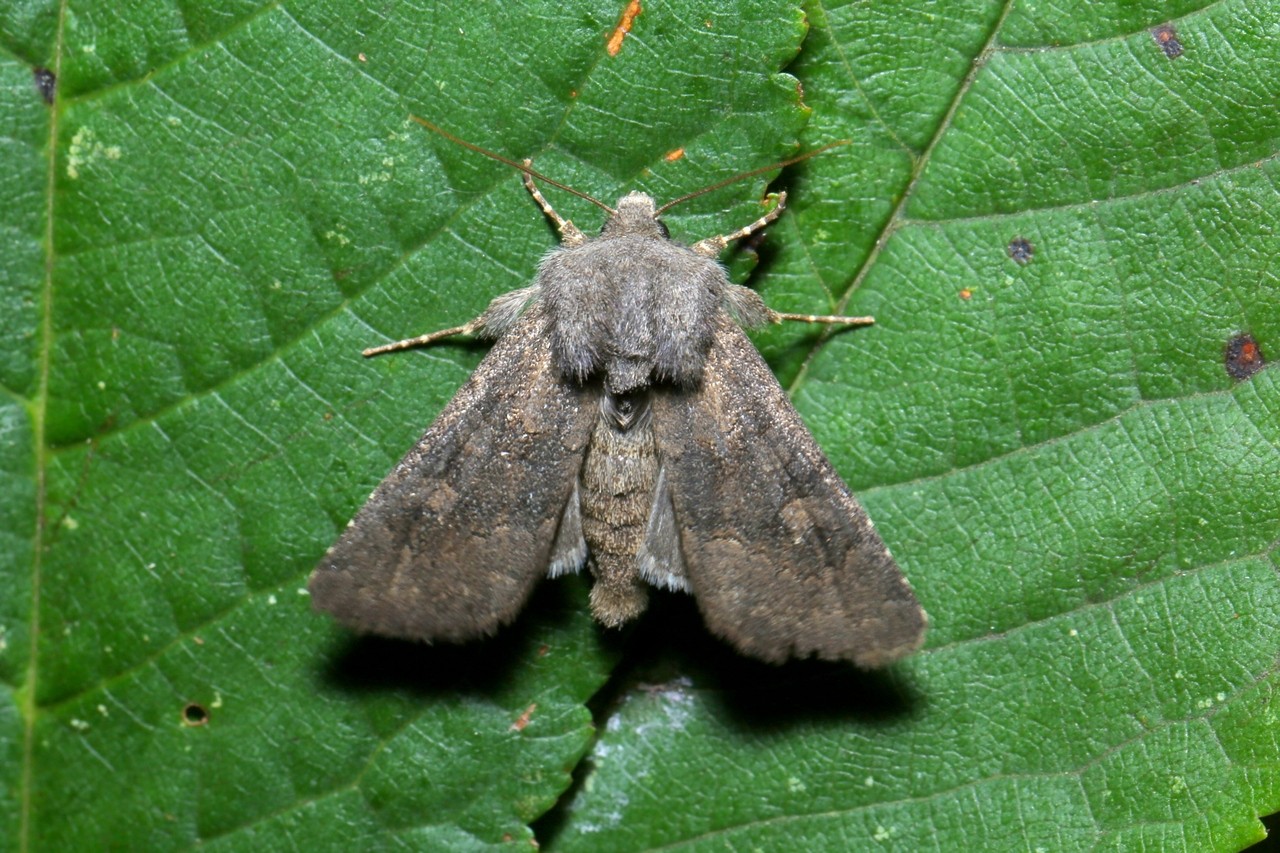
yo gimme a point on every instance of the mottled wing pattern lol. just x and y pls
(450, 544)
(782, 559)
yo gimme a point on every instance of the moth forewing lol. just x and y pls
(624, 420)
(450, 544)
(782, 560)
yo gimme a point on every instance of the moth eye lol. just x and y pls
(662, 228)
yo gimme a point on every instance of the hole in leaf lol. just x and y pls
(194, 714)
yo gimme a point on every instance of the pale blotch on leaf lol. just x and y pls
(85, 149)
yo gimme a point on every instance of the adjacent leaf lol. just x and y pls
(221, 207)
(1060, 219)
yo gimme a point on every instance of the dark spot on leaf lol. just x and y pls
(46, 83)
(194, 714)
(1244, 357)
(1021, 250)
(1167, 37)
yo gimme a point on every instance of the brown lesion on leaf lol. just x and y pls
(1243, 357)
(523, 719)
(629, 14)
(1167, 37)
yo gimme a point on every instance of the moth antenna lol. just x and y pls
(744, 175)
(528, 170)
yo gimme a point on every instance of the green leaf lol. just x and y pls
(220, 209)
(223, 206)
(1081, 494)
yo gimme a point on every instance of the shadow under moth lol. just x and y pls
(623, 422)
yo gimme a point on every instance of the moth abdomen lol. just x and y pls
(617, 486)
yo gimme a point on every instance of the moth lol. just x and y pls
(623, 423)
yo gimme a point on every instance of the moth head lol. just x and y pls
(635, 216)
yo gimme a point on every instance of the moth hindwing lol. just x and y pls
(623, 422)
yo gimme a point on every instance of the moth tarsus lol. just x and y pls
(624, 422)
(569, 233)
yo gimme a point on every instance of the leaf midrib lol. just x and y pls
(39, 409)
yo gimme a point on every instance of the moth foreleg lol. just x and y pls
(713, 246)
(424, 340)
(569, 233)
(749, 310)
(501, 315)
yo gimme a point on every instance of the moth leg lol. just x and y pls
(501, 315)
(569, 233)
(713, 246)
(749, 310)
(744, 304)
(828, 319)
(424, 340)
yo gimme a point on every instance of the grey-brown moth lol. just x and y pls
(623, 422)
